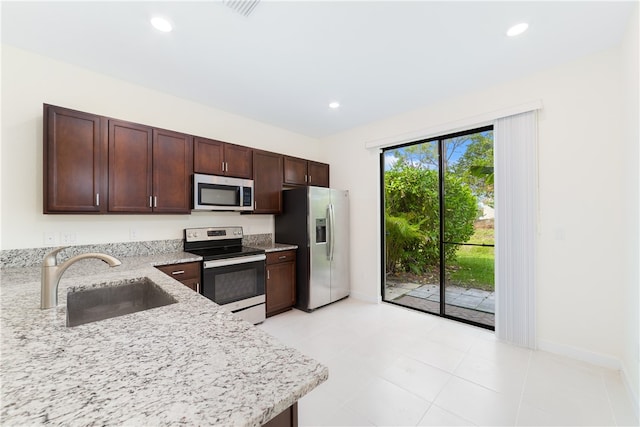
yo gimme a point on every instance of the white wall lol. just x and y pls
(29, 80)
(631, 328)
(581, 275)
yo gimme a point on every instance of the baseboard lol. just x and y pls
(365, 297)
(598, 359)
(635, 399)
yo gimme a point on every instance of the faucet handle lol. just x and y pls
(50, 259)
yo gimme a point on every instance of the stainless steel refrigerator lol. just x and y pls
(317, 220)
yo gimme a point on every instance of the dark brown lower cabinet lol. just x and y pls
(281, 281)
(187, 273)
(286, 418)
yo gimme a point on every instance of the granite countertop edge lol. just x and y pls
(276, 247)
(192, 362)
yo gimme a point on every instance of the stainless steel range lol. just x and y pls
(233, 275)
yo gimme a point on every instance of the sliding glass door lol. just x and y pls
(438, 226)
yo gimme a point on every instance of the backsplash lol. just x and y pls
(257, 240)
(33, 256)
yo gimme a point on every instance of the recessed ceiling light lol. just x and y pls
(334, 105)
(517, 29)
(161, 24)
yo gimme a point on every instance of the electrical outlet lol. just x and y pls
(50, 239)
(68, 238)
(134, 233)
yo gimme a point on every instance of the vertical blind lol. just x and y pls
(516, 195)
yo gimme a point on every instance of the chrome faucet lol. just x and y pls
(51, 273)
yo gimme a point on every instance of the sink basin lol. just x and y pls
(114, 299)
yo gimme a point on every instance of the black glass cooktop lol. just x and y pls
(225, 252)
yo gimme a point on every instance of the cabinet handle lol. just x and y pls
(305, 178)
(282, 257)
(177, 272)
(150, 201)
(222, 166)
(268, 276)
(155, 201)
(198, 287)
(309, 179)
(226, 166)
(97, 199)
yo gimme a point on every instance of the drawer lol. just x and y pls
(280, 256)
(185, 271)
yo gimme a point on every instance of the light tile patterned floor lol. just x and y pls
(393, 366)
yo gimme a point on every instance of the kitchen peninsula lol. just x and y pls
(190, 362)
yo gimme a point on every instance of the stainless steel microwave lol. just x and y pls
(222, 193)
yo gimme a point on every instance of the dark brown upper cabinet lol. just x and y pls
(149, 169)
(172, 169)
(75, 161)
(95, 164)
(305, 172)
(221, 158)
(318, 174)
(267, 182)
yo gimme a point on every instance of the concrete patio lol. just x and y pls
(467, 303)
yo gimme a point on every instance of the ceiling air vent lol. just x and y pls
(243, 7)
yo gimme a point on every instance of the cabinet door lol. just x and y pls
(208, 156)
(267, 182)
(75, 161)
(295, 171)
(186, 273)
(172, 168)
(281, 289)
(238, 161)
(318, 174)
(130, 167)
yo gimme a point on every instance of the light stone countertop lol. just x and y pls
(276, 247)
(190, 363)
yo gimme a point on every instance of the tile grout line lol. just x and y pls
(524, 386)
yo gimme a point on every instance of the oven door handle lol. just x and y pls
(234, 261)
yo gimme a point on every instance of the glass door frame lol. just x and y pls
(441, 242)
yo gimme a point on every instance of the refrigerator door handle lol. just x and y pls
(328, 237)
(332, 221)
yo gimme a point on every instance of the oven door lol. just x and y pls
(237, 283)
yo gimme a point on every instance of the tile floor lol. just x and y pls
(393, 366)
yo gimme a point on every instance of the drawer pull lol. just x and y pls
(282, 257)
(177, 272)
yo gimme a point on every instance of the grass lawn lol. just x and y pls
(474, 265)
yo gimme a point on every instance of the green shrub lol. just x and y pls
(411, 194)
(402, 239)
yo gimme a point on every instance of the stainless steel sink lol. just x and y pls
(114, 299)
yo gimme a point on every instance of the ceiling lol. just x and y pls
(287, 60)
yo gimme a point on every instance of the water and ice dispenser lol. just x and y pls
(321, 230)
